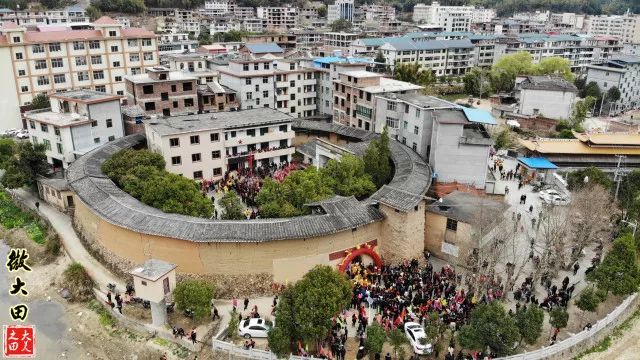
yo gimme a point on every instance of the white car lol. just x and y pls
(10, 132)
(22, 134)
(414, 333)
(549, 192)
(256, 327)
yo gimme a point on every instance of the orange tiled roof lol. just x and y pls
(575, 146)
(105, 20)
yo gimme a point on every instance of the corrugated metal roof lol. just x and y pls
(264, 48)
(537, 163)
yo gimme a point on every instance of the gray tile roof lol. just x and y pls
(468, 208)
(153, 269)
(547, 83)
(411, 180)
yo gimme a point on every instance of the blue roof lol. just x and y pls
(537, 163)
(5, 10)
(479, 116)
(338, 59)
(264, 48)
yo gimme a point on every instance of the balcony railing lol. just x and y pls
(258, 151)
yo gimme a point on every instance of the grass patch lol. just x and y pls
(104, 316)
(161, 342)
(36, 232)
(11, 216)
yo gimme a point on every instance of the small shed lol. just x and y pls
(538, 166)
(154, 280)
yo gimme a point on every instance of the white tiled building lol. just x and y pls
(626, 27)
(37, 62)
(623, 72)
(443, 57)
(449, 18)
(278, 18)
(77, 122)
(341, 9)
(216, 143)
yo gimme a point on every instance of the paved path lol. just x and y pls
(61, 223)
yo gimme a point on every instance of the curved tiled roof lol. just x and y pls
(103, 197)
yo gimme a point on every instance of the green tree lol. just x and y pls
(581, 109)
(341, 25)
(413, 73)
(322, 11)
(591, 89)
(7, 151)
(347, 177)
(588, 300)
(505, 139)
(556, 66)
(377, 159)
(93, 12)
(124, 6)
(40, 101)
(376, 337)
(613, 94)
(24, 169)
(288, 198)
(234, 324)
(397, 341)
(305, 309)
(629, 195)
(529, 320)
(619, 273)
(232, 208)
(278, 341)
(501, 81)
(380, 63)
(520, 63)
(593, 175)
(195, 295)
(204, 38)
(490, 326)
(477, 82)
(120, 163)
(580, 82)
(558, 317)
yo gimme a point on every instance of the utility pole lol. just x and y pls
(618, 174)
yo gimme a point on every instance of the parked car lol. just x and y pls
(22, 134)
(549, 192)
(414, 332)
(256, 327)
(556, 200)
(10, 132)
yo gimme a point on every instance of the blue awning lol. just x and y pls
(479, 116)
(537, 163)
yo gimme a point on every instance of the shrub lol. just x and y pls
(195, 295)
(77, 281)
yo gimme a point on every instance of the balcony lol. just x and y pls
(266, 153)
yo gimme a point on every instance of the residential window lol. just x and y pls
(111, 138)
(18, 56)
(215, 154)
(83, 76)
(188, 102)
(391, 106)
(195, 157)
(94, 123)
(54, 47)
(146, 42)
(174, 142)
(44, 127)
(282, 128)
(43, 80)
(405, 124)
(176, 160)
(94, 44)
(112, 33)
(37, 49)
(266, 66)
(78, 45)
(214, 137)
(24, 88)
(452, 224)
(217, 171)
(147, 56)
(263, 131)
(174, 88)
(59, 148)
(147, 89)
(101, 88)
(59, 79)
(41, 64)
(22, 73)
(249, 95)
(247, 81)
(96, 140)
(256, 66)
(98, 75)
(265, 80)
(34, 139)
(195, 139)
(47, 144)
(417, 112)
(187, 86)
(134, 57)
(118, 78)
(197, 174)
(114, 48)
(109, 123)
(414, 147)
(245, 67)
(416, 130)
(392, 123)
(56, 131)
(251, 132)
(96, 59)
(149, 106)
(16, 39)
(57, 63)
(233, 134)
(116, 64)
(81, 60)
(135, 71)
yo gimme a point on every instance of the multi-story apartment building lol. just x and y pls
(70, 15)
(77, 122)
(244, 12)
(449, 18)
(307, 15)
(329, 69)
(285, 41)
(281, 84)
(341, 9)
(443, 57)
(580, 51)
(195, 64)
(218, 7)
(568, 20)
(309, 39)
(339, 41)
(213, 144)
(176, 43)
(354, 96)
(537, 16)
(450, 137)
(623, 72)
(482, 15)
(162, 91)
(278, 18)
(124, 21)
(511, 26)
(38, 62)
(378, 12)
(625, 27)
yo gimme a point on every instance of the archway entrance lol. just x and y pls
(366, 249)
